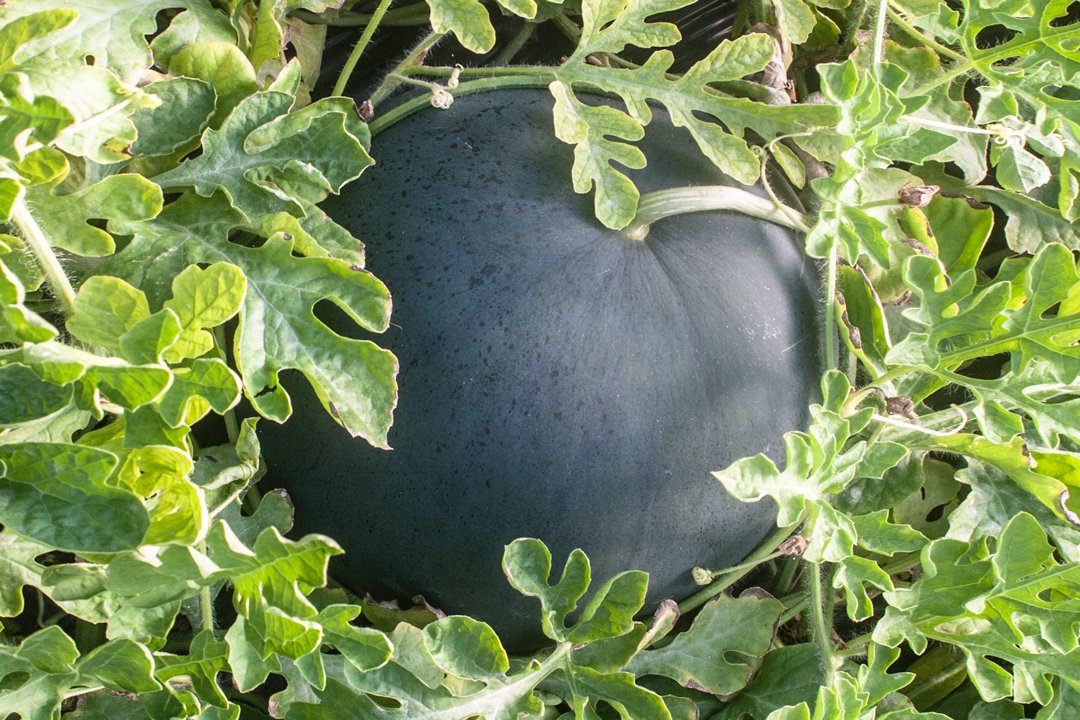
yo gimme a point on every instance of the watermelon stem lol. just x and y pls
(676, 201)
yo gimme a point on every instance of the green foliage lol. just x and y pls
(161, 165)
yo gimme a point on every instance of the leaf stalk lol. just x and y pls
(676, 201)
(763, 553)
(46, 258)
(822, 624)
(361, 45)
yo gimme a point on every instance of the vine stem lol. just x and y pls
(822, 625)
(713, 574)
(44, 254)
(414, 58)
(676, 201)
(879, 36)
(830, 309)
(762, 554)
(361, 45)
(914, 32)
(405, 109)
(516, 43)
(206, 605)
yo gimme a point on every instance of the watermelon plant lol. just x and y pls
(162, 169)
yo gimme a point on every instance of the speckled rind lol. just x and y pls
(557, 379)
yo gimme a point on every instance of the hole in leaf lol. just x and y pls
(386, 702)
(1071, 16)
(994, 36)
(936, 514)
(13, 681)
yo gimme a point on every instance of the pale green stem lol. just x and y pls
(361, 45)
(232, 426)
(405, 109)
(755, 558)
(514, 46)
(537, 71)
(713, 574)
(879, 36)
(830, 309)
(929, 42)
(568, 28)
(793, 610)
(76, 128)
(82, 691)
(411, 14)
(994, 130)
(675, 201)
(206, 606)
(43, 253)
(414, 58)
(822, 625)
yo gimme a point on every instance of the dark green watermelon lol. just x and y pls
(557, 379)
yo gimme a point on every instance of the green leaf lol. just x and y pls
(469, 20)
(788, 675)
(994, 500)
(18, 568)
(198, 669)
(105, 309)
(114, 35)
(1031, 223)
(527, 565)
(163, 130)
(692, 104)
(1015, 605)
(17, 322)
(270, 581)
(24, 397)
(367, 649)
(817, 466)
(203, 299)
(149, 339)
(222, 65)
(618, 690)
(41, 668)
(262, 149)
(466, 648)
(66, 219)
(609, 27)
(1048, 481)
(120, 665)
(246, 663)
(589, 128)
(1003, 316)
(15, 32)
(797, 20)
(26, 119)
(58, 494)
(611, 609)
(719, 652)
(209, 384)
(125, 384)
(961, 230)
(188, 27)
(100, 104)
(277, 328)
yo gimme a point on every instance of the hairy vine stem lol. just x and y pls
(763, 553)
(675, 201)
(821, 622)
(361, 45)
(43, 252)
(405, 109)
(413, 59)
